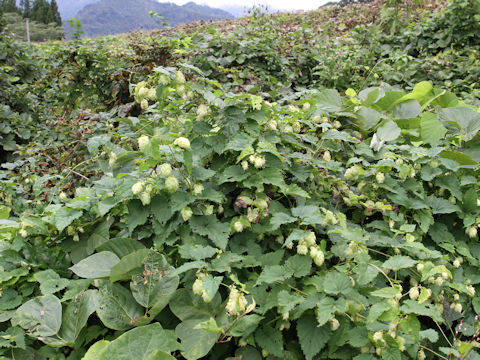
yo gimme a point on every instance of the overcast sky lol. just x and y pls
(276, 4)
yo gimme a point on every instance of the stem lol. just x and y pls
(445, 336)
(380, 270)
(433, 352)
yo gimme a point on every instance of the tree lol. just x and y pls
(8, 6)
(55, 13)
(26, 9)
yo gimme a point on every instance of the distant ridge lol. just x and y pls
(105, 17)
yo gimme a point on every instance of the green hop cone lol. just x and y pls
(171, 184)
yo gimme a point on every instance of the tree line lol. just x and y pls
(41, 11)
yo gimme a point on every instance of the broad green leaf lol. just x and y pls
(196, 343)
(140, 343)
(329, 100)
(100, 235)
(464, 118)
(160, 355)
(420, 92)
(368, 118)
(50, 282)
(459, 157)
(116, 306)
(295, 190)
(129, 265)
(10, 299)
(76, 315)
(386, 292)
(270, 339)
(41, 316)
(211, 285)
(185, 305)
(407, 109)
(209, 326)
(431, 129)
(96, 266)
(245, 325)
(121, 246)
(154, 288)
(388, 131)
(312, 337)
(398, 262)
(95, 351)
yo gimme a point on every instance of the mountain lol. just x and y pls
(104, 17)
(70, 8)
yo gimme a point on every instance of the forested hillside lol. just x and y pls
(279, 186)
(118, 16)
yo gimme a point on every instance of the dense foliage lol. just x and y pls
(206, 193)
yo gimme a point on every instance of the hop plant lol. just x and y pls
(152, 94)
(186, 213)
(182, 142)
(143, 142)
(238, 226)
(198, 189)
(145, 198)
(380, 177)
(171, 184)
(471, 231)
(245, 165)
(137, 188)
(166, 169)
(144, 104)
(327, 156)
(180, 78)
(197, 287)
(202, 111)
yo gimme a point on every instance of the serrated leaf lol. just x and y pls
(271, 274)
(96, 266)
(137, 215)
(270, 339)
(245, 325)
(386, 292)
(324, 310)
(441, 206)
(295, 190)
(388, 131)
(50, 282)
(100, 235)
(211, 227)
(398, 262)
(279, 219)
(287, 301)
(337, 283)
(431, 130)
(312, 338)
